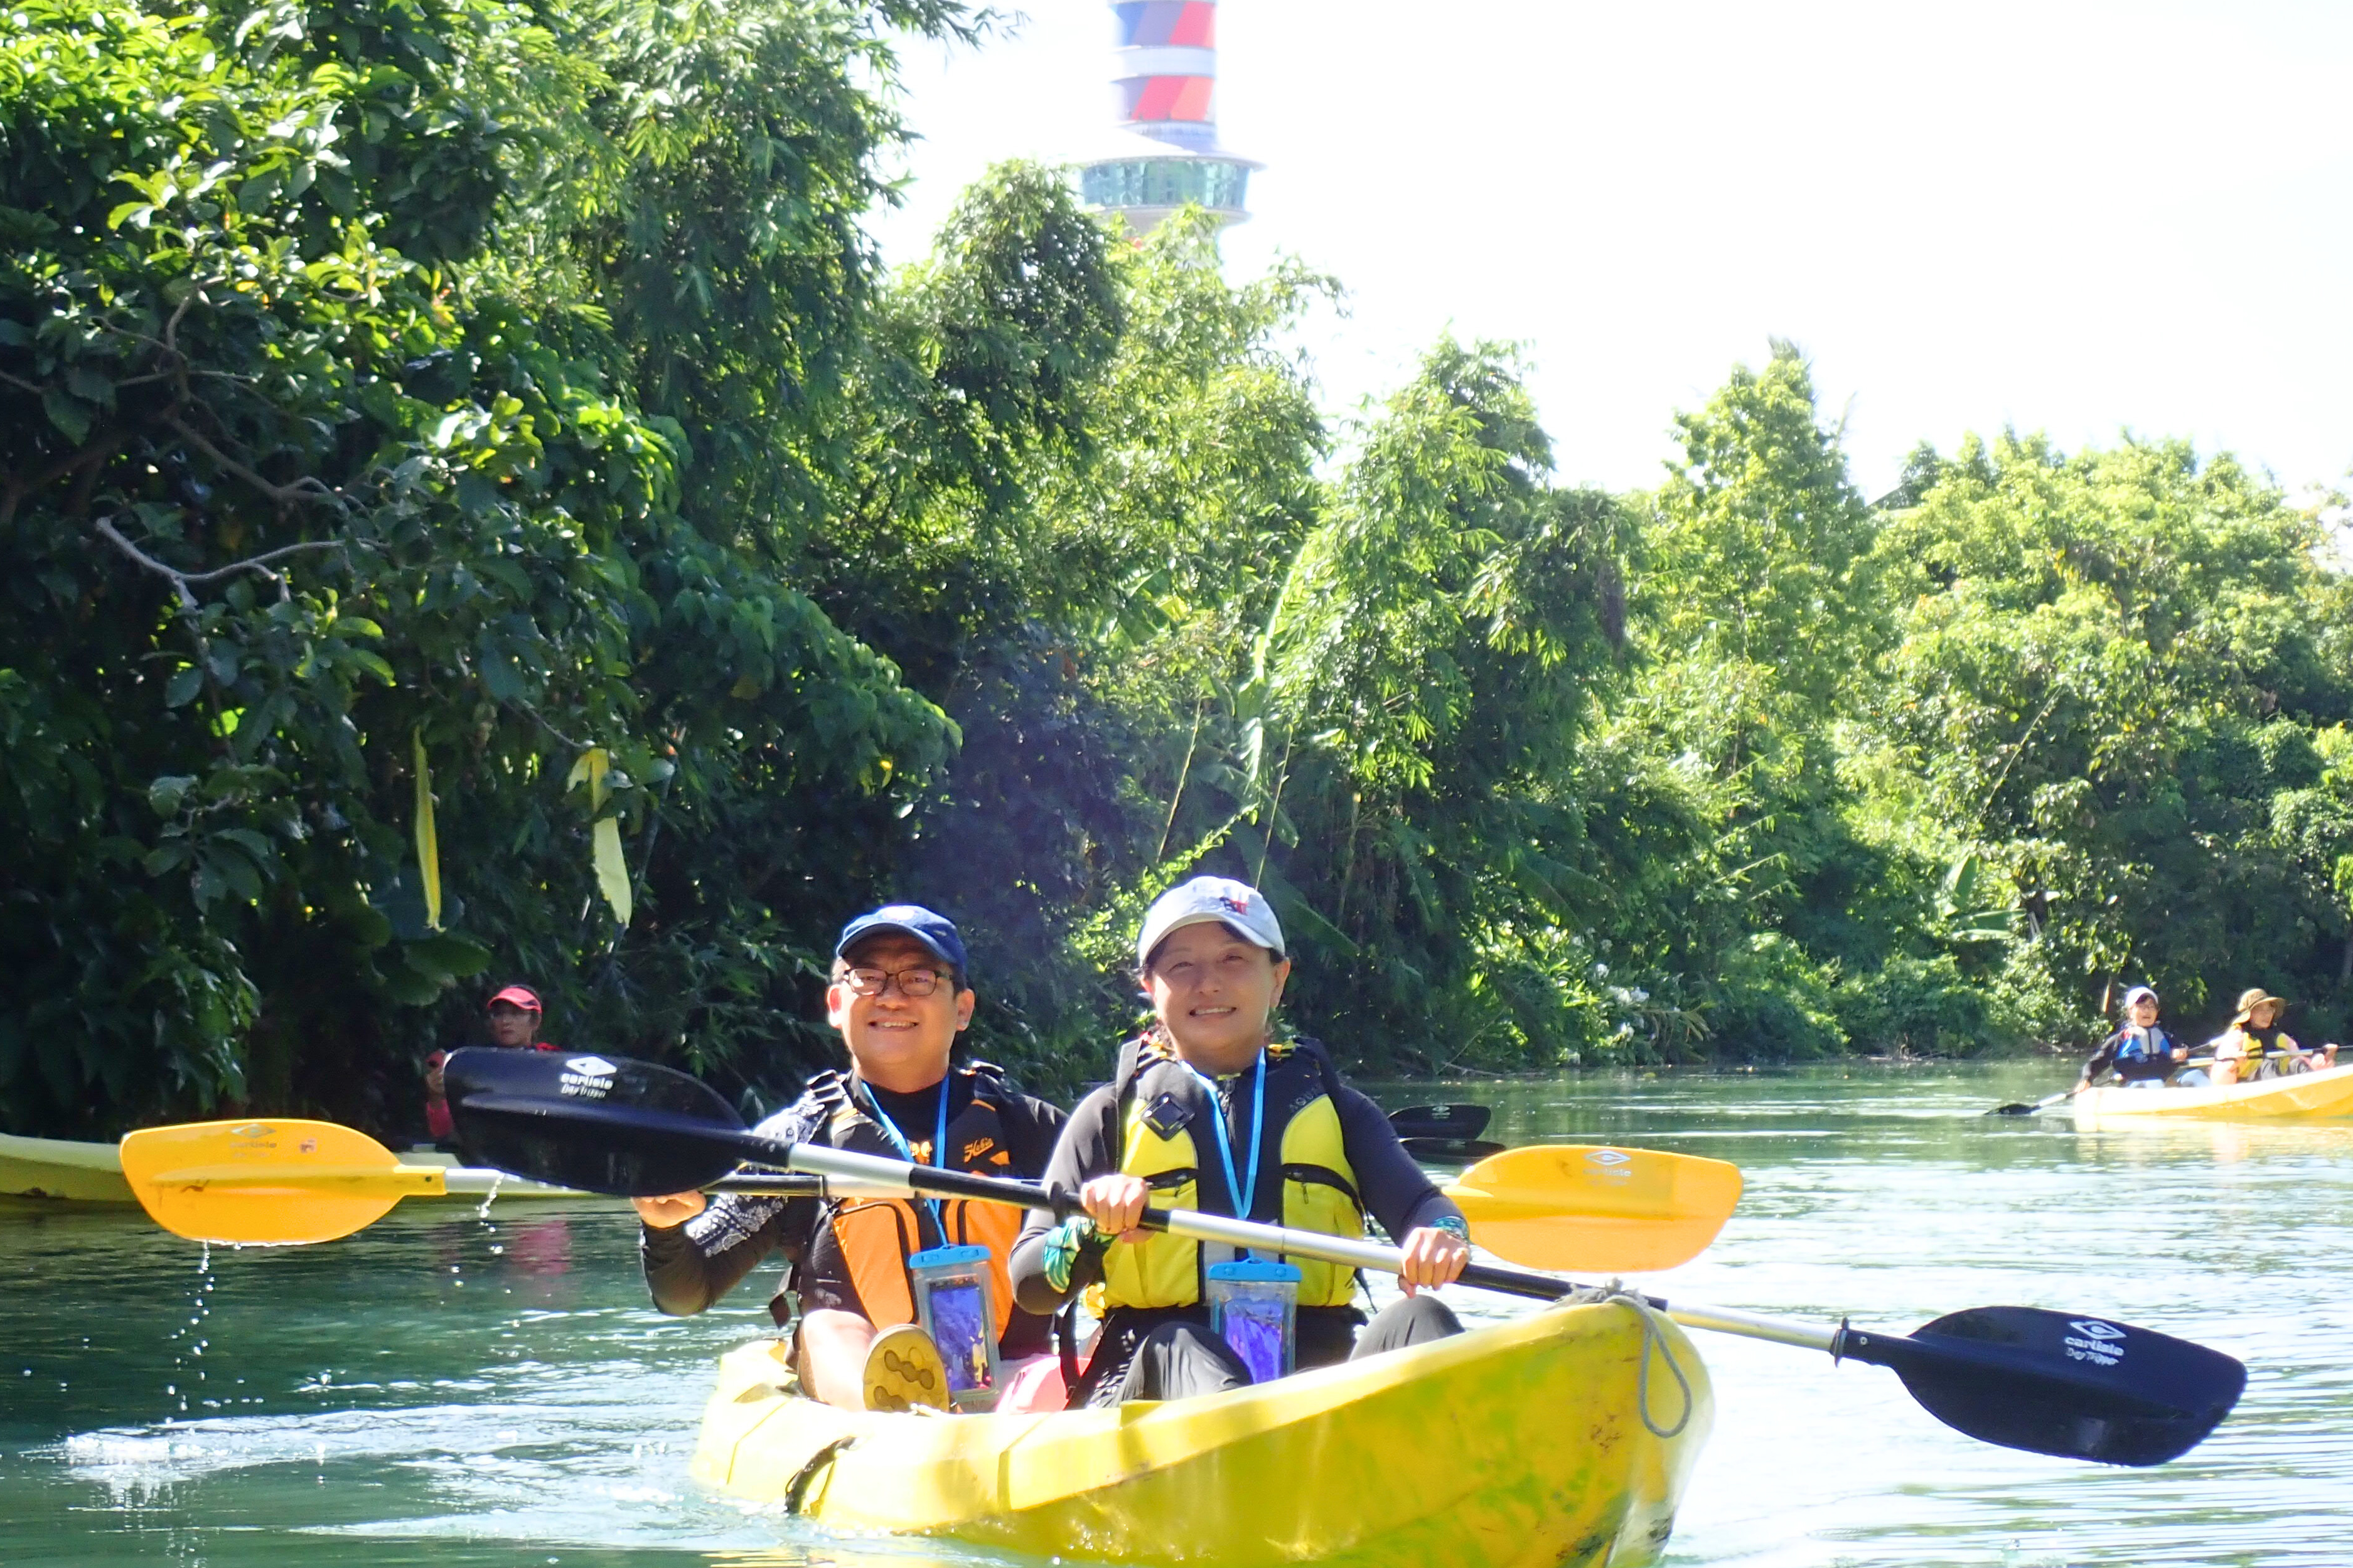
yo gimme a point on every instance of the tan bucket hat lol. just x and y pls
(2253, 997)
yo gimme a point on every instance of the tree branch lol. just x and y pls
(551, 729)
(183, 583)
(303, 490)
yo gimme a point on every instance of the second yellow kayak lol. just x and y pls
(2299, 1097)
(1562, 1438)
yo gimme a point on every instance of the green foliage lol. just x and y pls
(280, 495)
(2117, 676)
(515, 379)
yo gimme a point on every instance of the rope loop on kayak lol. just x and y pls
(797, 1490)
(1652, 1340)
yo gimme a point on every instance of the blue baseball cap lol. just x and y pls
(933, 930)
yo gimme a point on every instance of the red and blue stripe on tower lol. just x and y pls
(1169, 62)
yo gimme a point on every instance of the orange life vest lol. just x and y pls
(877, 1236)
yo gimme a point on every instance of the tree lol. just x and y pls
(2114, 683)
(291, 513)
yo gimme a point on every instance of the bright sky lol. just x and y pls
(2066, 216)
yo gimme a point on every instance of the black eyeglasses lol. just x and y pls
(913, 982)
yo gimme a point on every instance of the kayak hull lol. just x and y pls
(2299, 1097)
(1507, 1446)
(59, 1171)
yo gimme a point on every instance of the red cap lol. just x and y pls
(521, 997)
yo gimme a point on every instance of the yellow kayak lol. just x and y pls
(1507, 1446)
(2299, 1097)
(55, 1168)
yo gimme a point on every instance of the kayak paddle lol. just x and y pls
(1443, 1131)
(2020, 1377)
(1611, 1211)
(2045, 1103)
(1460, 1122)
(287, 1182)
(273, 1182)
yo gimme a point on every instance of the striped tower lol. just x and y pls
(1166, 96)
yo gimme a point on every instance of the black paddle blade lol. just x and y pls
(1450, 1148)
(2081, 1388)
(2011, 1110)
(1441, 1122)
(602, 1124)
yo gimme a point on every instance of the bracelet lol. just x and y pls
(1063, 1245)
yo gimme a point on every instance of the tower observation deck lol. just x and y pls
(1164, 93)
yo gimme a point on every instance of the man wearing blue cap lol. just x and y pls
(899, 997)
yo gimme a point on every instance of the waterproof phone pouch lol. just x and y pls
(1254, 1307)
(955, 1303)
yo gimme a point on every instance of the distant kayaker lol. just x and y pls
(2140, 1054)
(899, 997)
(515, 1016)
(1209, 1111)
(2255, 1046)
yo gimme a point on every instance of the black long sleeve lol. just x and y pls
(688, 1267)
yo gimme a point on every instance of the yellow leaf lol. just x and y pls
(428, 841)
(604, 838)
(593, 763)
(612, 876)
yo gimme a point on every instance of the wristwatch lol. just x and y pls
(1455, 1226)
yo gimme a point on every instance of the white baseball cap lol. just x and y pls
(1205, 899)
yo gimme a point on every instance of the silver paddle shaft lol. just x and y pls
(838, 1165)
(871, 1170)
(476, 1181)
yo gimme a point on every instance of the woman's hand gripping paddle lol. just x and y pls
(2078, 1387)
(1606, 1211)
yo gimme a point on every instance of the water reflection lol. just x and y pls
(450, 1388)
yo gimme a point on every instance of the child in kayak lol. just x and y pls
(2255, 1046)
(898, 998)
(1209, 1111)
(2141, 1055)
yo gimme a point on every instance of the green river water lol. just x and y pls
(455, 1387)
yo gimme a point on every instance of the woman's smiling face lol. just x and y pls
(1213, 992)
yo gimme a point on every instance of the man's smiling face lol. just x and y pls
(900, 1042)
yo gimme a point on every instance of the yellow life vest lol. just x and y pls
(1159, 1103)
(877, 1236)
(2260, 1047)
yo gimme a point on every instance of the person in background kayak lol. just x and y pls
(515, 1016)
(2140, 1054)
(1209, 1111)
(2255, 1046)
(899, 997)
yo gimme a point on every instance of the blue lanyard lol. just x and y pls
(939, 1146)
(1240, 1196)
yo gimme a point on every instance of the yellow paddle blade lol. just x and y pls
(268, 1181)
(1611, 1211)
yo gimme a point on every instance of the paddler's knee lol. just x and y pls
(1408, 1321)
(832, 1346)
(1182, 1360)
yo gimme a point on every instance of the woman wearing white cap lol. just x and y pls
(1210, 1109)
